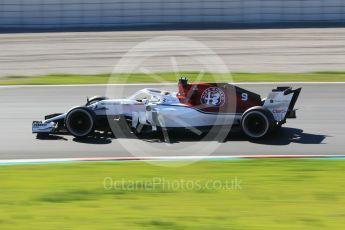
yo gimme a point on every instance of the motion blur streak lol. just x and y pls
(256, 50)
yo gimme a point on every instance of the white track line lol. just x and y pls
(162, 84)
(163, 158)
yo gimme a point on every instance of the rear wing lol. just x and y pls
(281, 102)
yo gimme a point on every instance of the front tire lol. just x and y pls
(257, 122)
(80, 122)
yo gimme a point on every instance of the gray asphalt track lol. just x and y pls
(256, 50)
(319, 129)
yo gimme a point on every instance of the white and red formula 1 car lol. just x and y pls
(197, 105)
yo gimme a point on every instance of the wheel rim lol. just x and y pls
(255, 124)
(79, 123)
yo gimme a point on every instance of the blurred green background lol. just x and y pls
(271, 194)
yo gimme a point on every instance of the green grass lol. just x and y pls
(273, 194)
(171, 77)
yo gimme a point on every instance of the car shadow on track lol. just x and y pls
(51, 137)
(94, 139)
(284, 136)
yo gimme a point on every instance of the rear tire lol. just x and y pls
(257, 122)
(80, 121)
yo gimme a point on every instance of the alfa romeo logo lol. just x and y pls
(213, 96)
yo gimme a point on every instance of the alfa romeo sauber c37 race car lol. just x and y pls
(198, 106)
